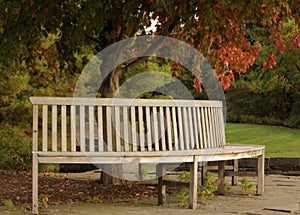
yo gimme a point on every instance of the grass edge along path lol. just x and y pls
(279, 141)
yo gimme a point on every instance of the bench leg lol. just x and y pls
(221, 177)
(203, 172)
(235, 179)
(260, 174)
(193, 183)
(141, 172)
(35, 207)
(160, 172)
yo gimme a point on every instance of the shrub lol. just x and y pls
(15, 148)
(271, 107)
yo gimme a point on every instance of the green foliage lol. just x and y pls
(204, 192)
(8, 203)
(14, 100)
(94, 199)
(271, 96)
(184, 176)
(215, 28)
(183, 197)
(246, 186)
(209, 188)
(15, 148)
(227, 186)
(25, 207)
(43, 200)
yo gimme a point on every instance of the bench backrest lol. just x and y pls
(103, 124)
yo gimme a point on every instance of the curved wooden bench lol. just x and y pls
(118, 131)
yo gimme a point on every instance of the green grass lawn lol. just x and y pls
(279, 141)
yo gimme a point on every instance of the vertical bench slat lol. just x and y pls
(211, 127)
(186, 129)
(54, 128)
(169, 127)
(91, 129)
(149, 133)
(191, 133)
(208, 139)
(211, 135)
(118, 128)
(204, 126)
(141, 129)
(195, 127)
(181, 135)
(155, 129)
(215, 126)
(133, 129)
(211, 141)
(222, 126)
(82, 127)
(175, 132)
(126, 131)
(35, 122)
(73, 128)
(45, 128)
(218, 131)
(216, 134)
(200, 127)
(109, 137)
(162, 128)
(100, 129)
(64, 128)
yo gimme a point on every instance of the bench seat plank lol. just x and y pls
(228, 152)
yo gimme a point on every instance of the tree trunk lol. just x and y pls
(111, 173)
(111, 83)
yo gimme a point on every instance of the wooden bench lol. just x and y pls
(120, 131)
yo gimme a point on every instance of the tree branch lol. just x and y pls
(298, 67)
(154, 47)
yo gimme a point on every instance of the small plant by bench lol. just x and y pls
(120, 131)
(205, 191)
(209, 187)
(247, 186)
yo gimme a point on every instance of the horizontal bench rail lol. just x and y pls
(122, 102)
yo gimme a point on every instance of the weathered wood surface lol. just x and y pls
(116, 131)
(122, 102)
(129, 125)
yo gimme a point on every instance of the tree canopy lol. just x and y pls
(45, 44)
(216, 28)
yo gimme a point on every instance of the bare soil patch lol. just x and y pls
(62, 188)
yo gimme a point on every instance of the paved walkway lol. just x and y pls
(282, 196)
